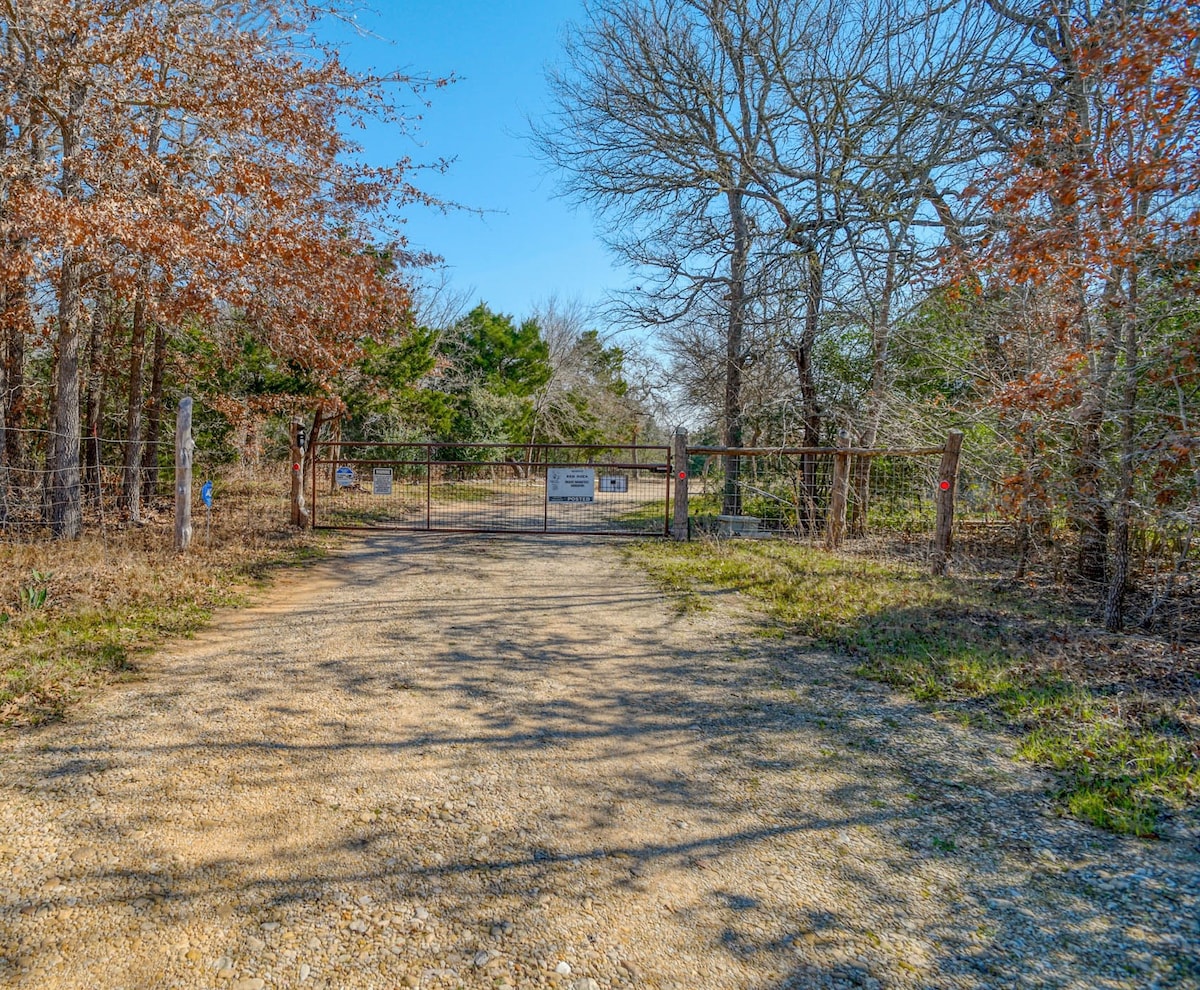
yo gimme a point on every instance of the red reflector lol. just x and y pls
(682, 475)
(295, 467)
(945, 486)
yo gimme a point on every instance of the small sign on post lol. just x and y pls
(566, 485)
(381, 481)
(614, 483)
(206, 497)
(345, 476)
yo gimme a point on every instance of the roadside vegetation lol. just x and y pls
(1114, 715)
(77, 614)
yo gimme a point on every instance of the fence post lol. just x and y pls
(679, 467)
(835, 526)
(299, 510)
(184, 449)
(947, 481)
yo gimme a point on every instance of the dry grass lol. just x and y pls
(74, 614)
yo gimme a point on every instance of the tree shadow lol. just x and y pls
(498, 757)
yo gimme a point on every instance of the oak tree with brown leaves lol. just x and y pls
(173, 163)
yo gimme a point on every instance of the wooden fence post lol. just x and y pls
(679, 467)
(835, 526)
(947, 482)
(300, 516)
(184, 449)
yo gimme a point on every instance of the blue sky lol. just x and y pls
(528, 244)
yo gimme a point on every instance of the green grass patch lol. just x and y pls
(646, 516)
(956, 643)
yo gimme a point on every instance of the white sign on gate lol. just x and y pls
(381, 480)
(345, 476)
(570, 485)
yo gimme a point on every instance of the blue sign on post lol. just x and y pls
(206, 493)
(345, 476)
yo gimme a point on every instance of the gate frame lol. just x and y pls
(429, 463)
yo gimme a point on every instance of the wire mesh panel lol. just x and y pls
(789, 493)
(783, 493)
(493, 488)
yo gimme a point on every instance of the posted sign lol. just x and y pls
(570, 485)
(381, 481)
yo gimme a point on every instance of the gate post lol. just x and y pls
(947, 479)
(835, 527)
(679, 467)
(300, 516)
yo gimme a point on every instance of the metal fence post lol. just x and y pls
(679, 467)
(947, 480)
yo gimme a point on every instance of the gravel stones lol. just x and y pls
(451, 761)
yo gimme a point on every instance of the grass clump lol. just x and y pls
(1124, 755)
(116, 594)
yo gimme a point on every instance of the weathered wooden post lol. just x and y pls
(185, 448)
(835, 525)
(947, 481)
(679, 466)
(300, 516)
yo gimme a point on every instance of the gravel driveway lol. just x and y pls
(488, 762)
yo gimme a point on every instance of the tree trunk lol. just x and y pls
(154, 411)
(66, 518)
(18, 312)
(3, 448)
(811, 412)
(1091, 515)
(131, 478)
(881, 320)
(735, 359)
(14, 372)
(314, 436)
(1114, 606)
(94, 404)
(335, 453)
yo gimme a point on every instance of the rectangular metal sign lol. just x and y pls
(570, 485)
(614, 483)
(381, 481)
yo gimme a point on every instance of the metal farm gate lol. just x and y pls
(492, 488)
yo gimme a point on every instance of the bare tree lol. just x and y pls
(723, 142)
(651, 120)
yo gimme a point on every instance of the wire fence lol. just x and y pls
(789, 494)
(245, 498)
(892, 509)
(891, 502)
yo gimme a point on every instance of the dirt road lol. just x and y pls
(486, 762)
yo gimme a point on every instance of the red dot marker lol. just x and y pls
(295, 467)
(682, 475)
(945, 486)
